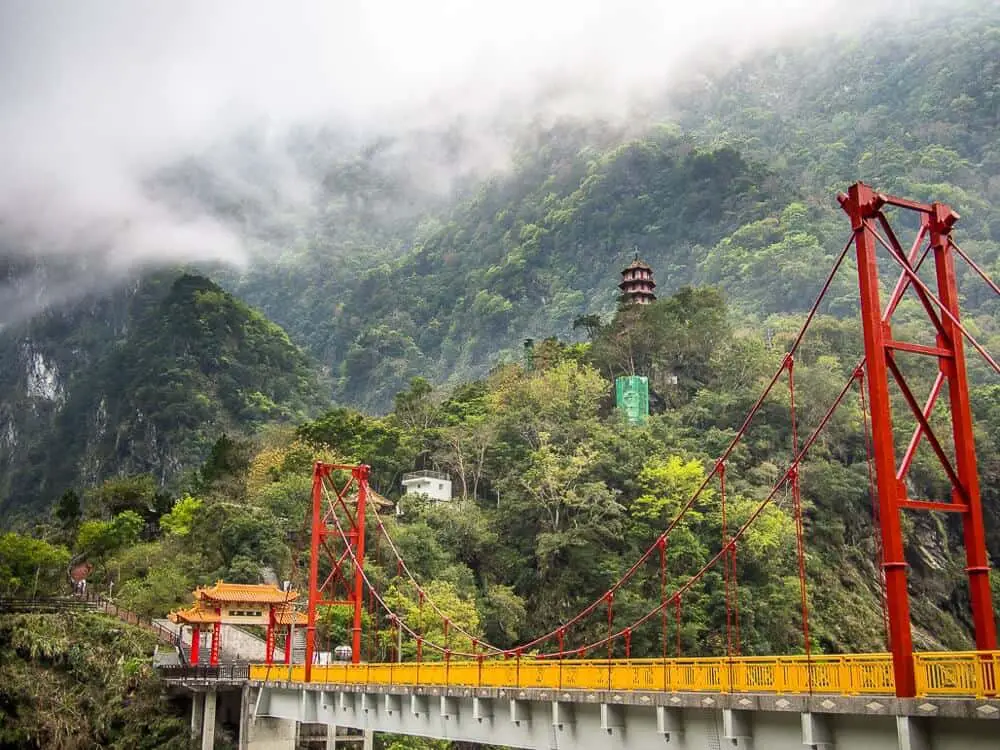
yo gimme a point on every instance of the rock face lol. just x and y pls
(141, 380)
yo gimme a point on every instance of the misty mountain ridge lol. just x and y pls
(418, 254)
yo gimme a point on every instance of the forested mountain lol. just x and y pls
(145, 380)
(415, 302)
(734, 178)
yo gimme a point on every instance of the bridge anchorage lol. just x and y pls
(551, 693)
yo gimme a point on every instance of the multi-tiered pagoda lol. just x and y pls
(637, 283)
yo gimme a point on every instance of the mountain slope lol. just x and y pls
(739, 182)
(534, 250)
(144, 380)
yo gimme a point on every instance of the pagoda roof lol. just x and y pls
(636, 263)
(637, 282)
(257, 593)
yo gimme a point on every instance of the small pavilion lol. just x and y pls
(240, 604)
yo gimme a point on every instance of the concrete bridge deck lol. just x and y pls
(770, 703)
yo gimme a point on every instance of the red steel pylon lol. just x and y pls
(871, 229)
(348, 499)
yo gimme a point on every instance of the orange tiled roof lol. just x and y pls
(261, 593)
(195, 615)
(378, 500)
(284, 617)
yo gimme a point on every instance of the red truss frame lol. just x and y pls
(871, 229)
(348, 501)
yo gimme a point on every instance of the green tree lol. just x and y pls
(99, 540)
(415, 408)
(135, 493)
(30, 566)
(179, 520)
(165, 588)
(461, 613)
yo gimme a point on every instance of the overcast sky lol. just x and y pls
(96, 95)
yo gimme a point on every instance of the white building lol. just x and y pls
(433, 484)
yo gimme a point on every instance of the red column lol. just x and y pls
(269, 656)
(314, 594)
(214, 654)
(953, 368)
(195, 643)
(288, 645)
(862, 205)
(361, 473)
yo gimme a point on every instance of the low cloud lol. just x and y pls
(97, 99)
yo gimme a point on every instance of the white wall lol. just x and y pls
(435, 489)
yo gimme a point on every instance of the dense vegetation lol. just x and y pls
(78, 681)
(142, 381)
(735, 180)
(420, 316)
(558, 495)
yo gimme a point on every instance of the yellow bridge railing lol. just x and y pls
(965, 674)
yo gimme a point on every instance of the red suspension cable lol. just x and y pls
(784, 479)
(797, 501)
(738, 641)
(402, 569)
(611, 620)
(726, 566)
(420, 622)
(593, 606)
(677, 622)
(663, 591)
(982, 274)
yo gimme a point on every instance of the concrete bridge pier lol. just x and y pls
(231, 709)
(203, 717)
(197, 714)
(264, 733)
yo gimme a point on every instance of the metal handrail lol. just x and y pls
(957, 674)
(426, 474)
(962, 674)
(227, 672)
(134, 618)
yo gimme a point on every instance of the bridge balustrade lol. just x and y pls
(962, 674)
(958, 674)
(226, 672)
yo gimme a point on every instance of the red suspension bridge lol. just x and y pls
(341, 514)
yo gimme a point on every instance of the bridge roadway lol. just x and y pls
(768, 703)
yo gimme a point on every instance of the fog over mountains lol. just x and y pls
(99, 100)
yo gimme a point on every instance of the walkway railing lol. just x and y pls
(132, 618)
(229, 672)
(964, 674)
(958, 674)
